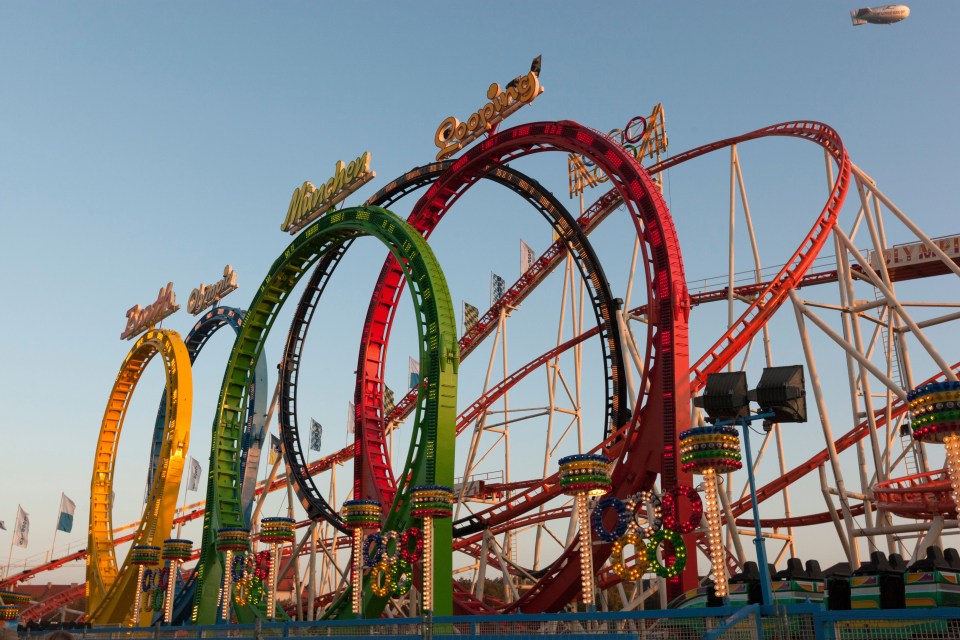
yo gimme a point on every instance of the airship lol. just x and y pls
(880, 15)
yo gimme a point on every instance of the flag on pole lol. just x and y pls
(316, 434)
(22, 529)
(351, 417)
(65, 519)
(274, 450)
(413, 368)
(389, 400)
(3, 525)
(193, 477)
(497, 287)
(527, 257)
(471, 315)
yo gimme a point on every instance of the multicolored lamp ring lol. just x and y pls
(275, 532)
(935, 418)
(142, 556)
(175, 552)
(357, 516)
(583, 475)
(429, 501)
(230, 540)
(708, 451)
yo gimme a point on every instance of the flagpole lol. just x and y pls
(12, 538)
(185, 485)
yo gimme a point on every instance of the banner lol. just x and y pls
(413, 368)
(193, 475)
(65, 519)
(316, 434)
(471, 315)
(497, 286)
(389, 401)
(351, 417)
(22, 529)
(274, 450)
(527, 257)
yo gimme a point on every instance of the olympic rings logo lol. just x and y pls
(248, 572)
(390, 557)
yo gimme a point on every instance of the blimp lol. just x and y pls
(880, 15)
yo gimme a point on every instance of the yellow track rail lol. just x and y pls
(110, 591)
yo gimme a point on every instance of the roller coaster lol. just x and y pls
(510, 543)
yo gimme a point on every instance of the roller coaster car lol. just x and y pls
(837, 580)
(878, 584)
(745, 586)
(933, 581)
(796, 584)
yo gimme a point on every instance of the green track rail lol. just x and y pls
(432, 447)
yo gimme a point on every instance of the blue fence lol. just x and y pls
(793, 622)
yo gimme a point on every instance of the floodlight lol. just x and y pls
(725, 396)
(781, 391)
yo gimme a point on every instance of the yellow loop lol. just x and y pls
(111, 591)
(381, 590)
(635, 571)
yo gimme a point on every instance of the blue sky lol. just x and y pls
(148, 142)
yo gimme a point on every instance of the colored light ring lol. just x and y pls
(361, 514)
(9, 612)
(14, 597)
(587, 473)
(372, 550)
(635, 571)
(376, 474)
(177, 549)
(431, 501)
(623, 519)
(413, 534)
(252, 440)
(947, 386)
(236, 539)
(654, 514)
(391, 538)
(679, 550)
(435, 425)
(277, 530)
(401, 574)
(111, 589)
(704, 448)
(671, 505)
(381, 580)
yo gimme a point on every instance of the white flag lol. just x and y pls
(193, 475)
(22, 530)
(527, 257)
(65, 519)
(351, 417)
(413, 368)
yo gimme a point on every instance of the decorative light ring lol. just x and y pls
(361, 514)
(262, 561)
(236, 539)
(372, 550)
(710, 447)
(177, 550)
(406, 553)
(9, 612)
(670, 500)
(391, 557)
(635, 571)
(149, 580)
(402, 576)
(277, 530)
(157, 600)
(654, 514)
(381, 581)
(623, 519)
(431, 501)
(248, 591)
(679, 549)
(238, 568)
(634, 139)
(935, 411)
(163, 580)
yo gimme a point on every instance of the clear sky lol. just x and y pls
(147, 142)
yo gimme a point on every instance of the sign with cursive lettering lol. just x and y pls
(141, 319)
(208, 294)
(452, 134)
(310, 202)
